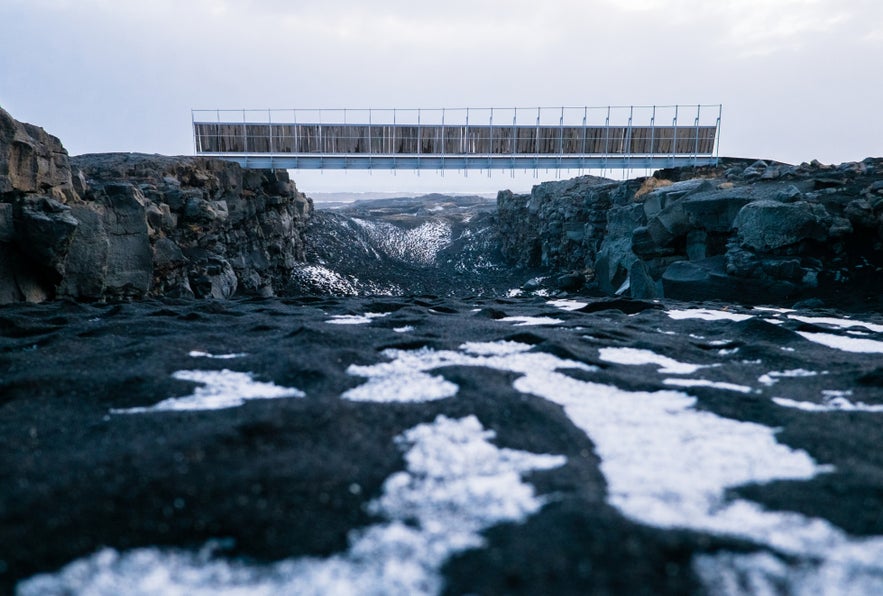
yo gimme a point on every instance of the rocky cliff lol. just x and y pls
(745, 231)
(95, 227)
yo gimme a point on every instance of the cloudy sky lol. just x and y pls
(798, 79)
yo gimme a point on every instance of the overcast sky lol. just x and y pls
(798, 79)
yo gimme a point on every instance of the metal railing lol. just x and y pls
(462, 138)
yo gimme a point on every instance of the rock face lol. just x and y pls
(741, 231)
(95, 227)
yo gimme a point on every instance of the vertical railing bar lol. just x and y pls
(490, 141)
(193, 124)
(674, 145)
(536, 153)
(628, 140)
(696, 134)
(270, 126)
(606, 139)
(467, 145)
(244, 134)
(582, 159)
(653, 133)
(717, 136)
(443, 140)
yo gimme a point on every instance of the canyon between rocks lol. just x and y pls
(211, 384)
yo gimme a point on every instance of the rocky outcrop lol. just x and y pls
(108, 226)
(559, 227)
(741, 231)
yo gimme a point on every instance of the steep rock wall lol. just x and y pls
(744, 231)
(129, 225)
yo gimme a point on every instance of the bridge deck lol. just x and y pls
(419, 145)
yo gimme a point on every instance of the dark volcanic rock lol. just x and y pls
(90, 227)
(443, 245)
(782, 231)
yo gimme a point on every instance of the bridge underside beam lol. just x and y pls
(455, 162)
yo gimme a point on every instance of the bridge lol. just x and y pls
(583, 138)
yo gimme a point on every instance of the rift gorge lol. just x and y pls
(212, 383)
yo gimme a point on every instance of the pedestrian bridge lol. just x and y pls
(581, 138)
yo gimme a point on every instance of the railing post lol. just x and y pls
(536, 149)
(628, 140)
(270, 128)
(606, 139)
(696, 134)
(490, 142)
(582, 158)
(244, 134)
(653, 133)
(717, 135)
(560, 139)
(674, 141)
(514, 138)
(193, 124)
(443, 141)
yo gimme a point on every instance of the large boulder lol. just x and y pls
(769, 225)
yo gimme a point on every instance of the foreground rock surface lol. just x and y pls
(478, 446)
(114, 226)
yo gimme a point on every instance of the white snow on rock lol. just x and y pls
(670, 465)
(404, 378)
(200, 354)
(567, 304)
(220, 389)
(707, 383)
(832, 403)
(456, 484)
(771, 378)
(706, 314)
(637, 357)
(528, 321)
(324, 279)
(837, 323)
(855, 345)
(355, 319)
(418, 245)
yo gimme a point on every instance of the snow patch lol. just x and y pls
(706, 314)
(529, 321)
(846, 344)
(707, 383)
(325, 280)
(837, 323)
(198, 354)
(418, 245)
(771, 378)
(567, 304)
(220, 389)
(672, 466)
(834, 401)
(355, 319)
(456, 484)
(637, 357)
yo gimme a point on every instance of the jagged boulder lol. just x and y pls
(126, 225)
(768, 225)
